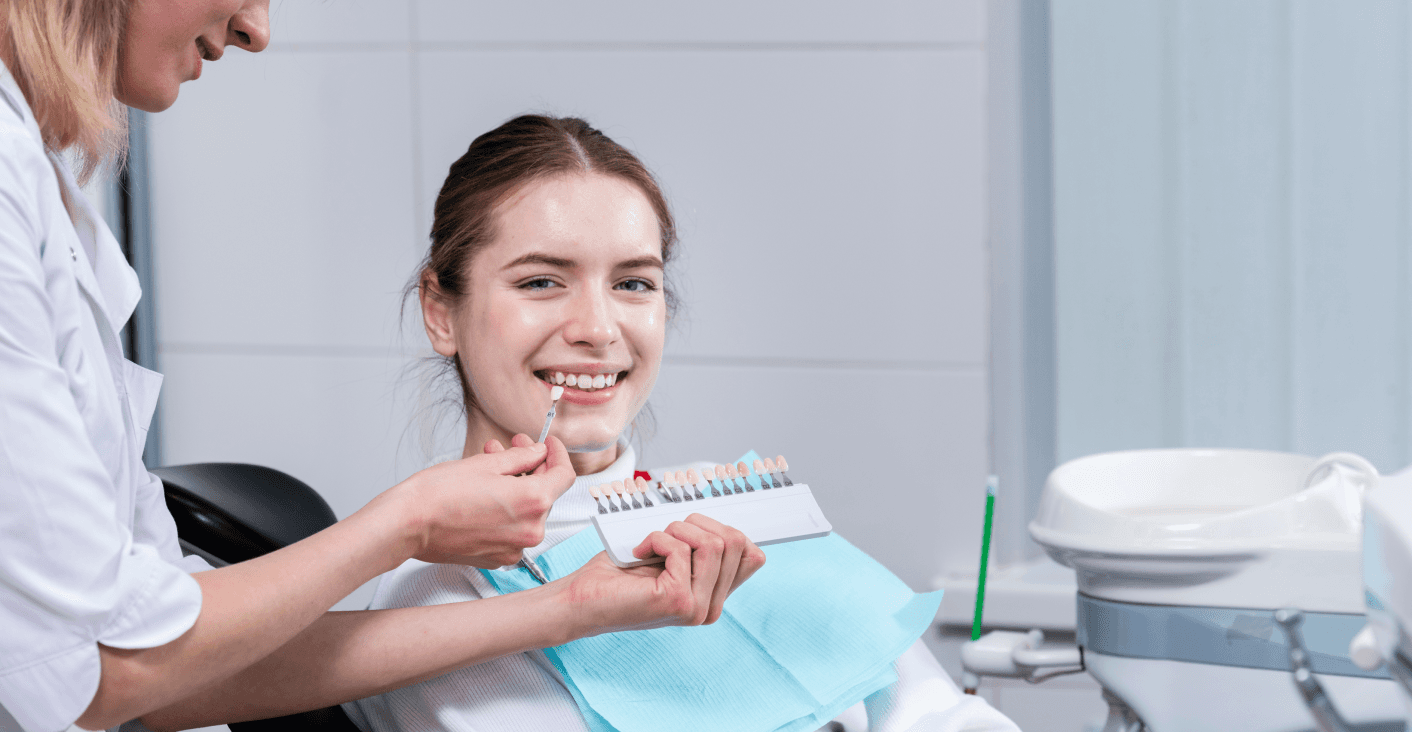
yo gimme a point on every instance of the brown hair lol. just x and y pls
(500, 162)
(64, 56)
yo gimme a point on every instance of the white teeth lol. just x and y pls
(558, 377)
(571, 380)
(600, 381)
(612, 379)
(585, 381)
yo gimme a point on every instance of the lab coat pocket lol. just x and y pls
(143, 387)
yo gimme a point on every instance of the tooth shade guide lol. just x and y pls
(766, 517)
(555, 393)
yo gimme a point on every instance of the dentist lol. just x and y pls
(102, 621)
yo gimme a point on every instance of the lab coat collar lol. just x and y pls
(107, 276)
(10, 89)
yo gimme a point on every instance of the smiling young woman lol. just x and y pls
(549, 247)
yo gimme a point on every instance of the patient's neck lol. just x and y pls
(479, 432)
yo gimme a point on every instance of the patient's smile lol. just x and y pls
(581, 381)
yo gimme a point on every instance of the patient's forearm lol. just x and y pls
(351, 655)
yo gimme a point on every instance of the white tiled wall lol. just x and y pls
(826, 162)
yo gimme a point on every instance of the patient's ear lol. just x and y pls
(436, 316)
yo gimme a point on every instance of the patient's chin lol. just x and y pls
(589, 446)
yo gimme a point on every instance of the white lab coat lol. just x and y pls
(88, 550)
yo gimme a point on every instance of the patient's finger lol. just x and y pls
(751, 557)
(676, 573)
(734, 546)
(705, 562)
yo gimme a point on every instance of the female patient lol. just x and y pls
(548, 250)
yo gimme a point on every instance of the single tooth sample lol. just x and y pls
(600, 381)
(618, 489)
(556, 393)
(783, 466)
(630, 491)
(735, 478)
(641, 484)
(745, 476)
(593, 491)
(770, 470)
(607, 492)
(694, 478)
(679, 479)
(720, 472)
(571, 380)
(760, 473)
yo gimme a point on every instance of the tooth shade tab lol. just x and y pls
(618, 487)
(720, 472)
(783, 466)
(680, 478)
(769, 465)
(555, 393)
(759, 466)
(641, 483)
(731, 471)
(593, 491)
(743, 469)
(693, 477)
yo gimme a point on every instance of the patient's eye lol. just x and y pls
(538, 284)
(635, 285)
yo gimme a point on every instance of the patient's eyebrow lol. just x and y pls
(545, 259)
(636, 262)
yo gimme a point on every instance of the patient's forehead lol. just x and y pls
(583, 217)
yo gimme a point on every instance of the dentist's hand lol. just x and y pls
(706, 561)
(481, 511)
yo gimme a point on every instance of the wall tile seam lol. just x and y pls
(607, 47)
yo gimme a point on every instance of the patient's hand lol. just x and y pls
(706, 561)
(480, 510)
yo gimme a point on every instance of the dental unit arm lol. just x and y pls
(1014, 655)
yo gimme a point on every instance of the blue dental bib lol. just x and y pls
(812, 633)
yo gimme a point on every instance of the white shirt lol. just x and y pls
(88, 550)
(525, 692)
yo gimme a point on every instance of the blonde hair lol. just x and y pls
(64, 55)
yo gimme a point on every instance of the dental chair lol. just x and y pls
(230, 512)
